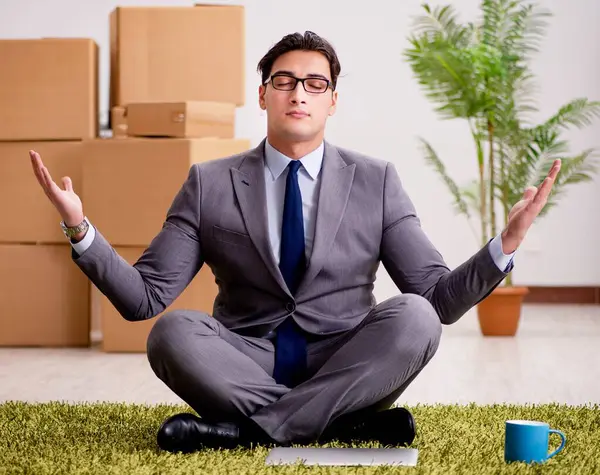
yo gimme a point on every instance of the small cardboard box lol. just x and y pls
(188, 119)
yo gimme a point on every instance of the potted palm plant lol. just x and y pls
(480, 72)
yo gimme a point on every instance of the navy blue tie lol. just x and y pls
(290, 343)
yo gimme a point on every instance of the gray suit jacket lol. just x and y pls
(218, 218)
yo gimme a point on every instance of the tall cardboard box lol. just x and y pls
(120, 335)
(48, 89)
(28, 216)
(194, 53)
(44, 297)
(129, 183)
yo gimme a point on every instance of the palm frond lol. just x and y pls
(577, 169)
(524, 92)
(441, 23)
(446, 76)
(471, 197)
(514, 28)
(526, 25)
(432, 158)
(529, 157)
(530, 165)
(492, 12)
(579, 113)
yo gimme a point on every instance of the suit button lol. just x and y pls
(290, 306)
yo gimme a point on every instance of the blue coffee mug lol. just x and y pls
(527, 441)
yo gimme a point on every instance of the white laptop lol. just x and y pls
(342, 456)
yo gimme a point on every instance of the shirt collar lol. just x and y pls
(277, 161)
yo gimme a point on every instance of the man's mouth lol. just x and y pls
(298, 114)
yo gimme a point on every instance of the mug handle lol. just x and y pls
(562, 444)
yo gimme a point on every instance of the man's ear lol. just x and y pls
(261, 97)
(333, 107)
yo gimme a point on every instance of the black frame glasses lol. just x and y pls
(294, 84)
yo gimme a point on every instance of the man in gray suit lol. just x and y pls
(297, 350)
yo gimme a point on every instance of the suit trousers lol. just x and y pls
(225, 376)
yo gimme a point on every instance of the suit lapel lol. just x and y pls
(334, 190)
(249, 185)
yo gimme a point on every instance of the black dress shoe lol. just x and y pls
(394, 427)
(188, 433)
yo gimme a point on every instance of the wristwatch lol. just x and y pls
(74, 230)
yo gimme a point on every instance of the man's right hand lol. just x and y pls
(66, 202)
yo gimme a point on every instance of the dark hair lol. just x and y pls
(296, 41)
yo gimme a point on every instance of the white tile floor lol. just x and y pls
(554, 358)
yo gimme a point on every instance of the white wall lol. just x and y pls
(382, 111)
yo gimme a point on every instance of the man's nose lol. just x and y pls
(298, 94)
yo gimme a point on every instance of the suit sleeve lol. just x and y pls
(143, 290)
(416, 266)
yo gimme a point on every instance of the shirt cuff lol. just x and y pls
(500, 259)
(81, 246)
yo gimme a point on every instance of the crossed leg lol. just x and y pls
(228, 377)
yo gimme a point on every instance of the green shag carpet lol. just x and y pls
(119, 438)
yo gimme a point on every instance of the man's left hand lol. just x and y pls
(524, 212)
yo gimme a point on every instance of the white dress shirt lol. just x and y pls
(276, 172)
(308, 180)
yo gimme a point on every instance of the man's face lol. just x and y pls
(296, 114)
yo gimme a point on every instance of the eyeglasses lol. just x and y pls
(284, 82)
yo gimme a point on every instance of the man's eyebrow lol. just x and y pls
(283, 71)
(314, 75)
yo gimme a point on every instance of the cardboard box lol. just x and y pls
(190, 119)
(120, 335)
(130, 184)
(28, 216)
(49, 89)
(44, 297)
(118, 122)
(168, 54)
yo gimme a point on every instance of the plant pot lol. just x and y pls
(499, 313)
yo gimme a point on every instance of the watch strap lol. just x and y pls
(71, 231)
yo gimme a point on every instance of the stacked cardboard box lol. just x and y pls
(177, 76)
(49, 103)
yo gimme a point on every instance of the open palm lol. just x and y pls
(66, 201)
(524, 212)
